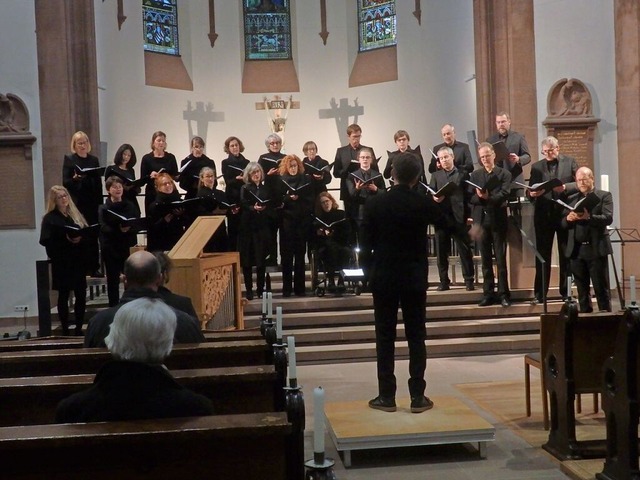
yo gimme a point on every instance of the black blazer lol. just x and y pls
(566, 172)
(601, 217)
(462, 158)
(394, 238)
(515, 143)
(343, 166)
(492, 211)
(455, 204)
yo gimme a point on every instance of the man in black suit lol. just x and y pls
(394, 255)
(453, 205)
(490, 221)
(588, 244)
(548, 214)
(142, 277)
(346, 161)
(461, 154)
(518, 149)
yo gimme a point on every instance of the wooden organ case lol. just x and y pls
(211, 280)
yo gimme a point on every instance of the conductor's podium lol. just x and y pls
(211, 280)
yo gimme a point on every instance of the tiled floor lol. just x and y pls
(509, 457)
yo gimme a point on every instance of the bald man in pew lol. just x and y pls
(142, 273)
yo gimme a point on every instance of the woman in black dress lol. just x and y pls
(116, 236)
(67, 251)
(296, 193)
(316, 167)
(257, 211)
(85, 188)
(211, 204)
(332, 233)
(155, 161)
(191, 167)
(166, 223)
(123, 162)
(232, 170)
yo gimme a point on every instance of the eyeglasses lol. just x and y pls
(364, 157)
(274, 143)
(61, 196)
(164, 184)
(550, 150)
(207, 176)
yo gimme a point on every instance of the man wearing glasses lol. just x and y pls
(547, 216)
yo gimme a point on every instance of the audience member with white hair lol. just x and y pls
(136, 385)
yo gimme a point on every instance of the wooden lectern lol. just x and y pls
(211, 280)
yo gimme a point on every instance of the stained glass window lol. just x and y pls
(160, 20)
(267, 30)
(377, 24)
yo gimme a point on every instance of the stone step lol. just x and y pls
(436, 348)
(445, 329)
(365, 316)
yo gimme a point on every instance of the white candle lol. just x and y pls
(270, 304)
(291, 349)
(604, 182)
(569, 286)
(279, 323)
(318, 420)
(264, 304)
(633, 289)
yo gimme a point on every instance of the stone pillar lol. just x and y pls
(506, 81)
(68, 78)
(627, 55)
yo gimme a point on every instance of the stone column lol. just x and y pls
(65, 32)
(506, 81)
(627, 51)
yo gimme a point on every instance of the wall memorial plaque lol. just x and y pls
(570, 119)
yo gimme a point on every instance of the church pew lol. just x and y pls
(233, 390)
(574, 362)
(56, 342)
(621, 379)
(88, 360)
(247, 446)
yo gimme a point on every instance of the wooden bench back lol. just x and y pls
(233, 390)
(249, 446)
(89, 360)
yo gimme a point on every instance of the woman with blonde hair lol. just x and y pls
(82, 177)
(166, 223)
(66, 246)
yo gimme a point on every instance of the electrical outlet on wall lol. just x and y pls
(21, 308)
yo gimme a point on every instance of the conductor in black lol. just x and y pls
(394, 254)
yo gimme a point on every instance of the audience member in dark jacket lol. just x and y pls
(142, 277)
(136, 385)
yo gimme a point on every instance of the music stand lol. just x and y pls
(622, 236)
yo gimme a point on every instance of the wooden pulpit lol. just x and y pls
(211, 280)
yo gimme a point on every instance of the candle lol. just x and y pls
(291, 349)
(279, 323)
(270, 304)
(318, 420)
(633, 289)
(569, 286)
(264, 304)
(604, 182)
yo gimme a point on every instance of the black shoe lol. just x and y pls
(536, 301)
(505, 302)
(443, 287)
(286, 294)
(587, 310)
(486, 301)
(470, 286)
(384, 404)
(421, 404)
(249, 295)
(78, 332)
